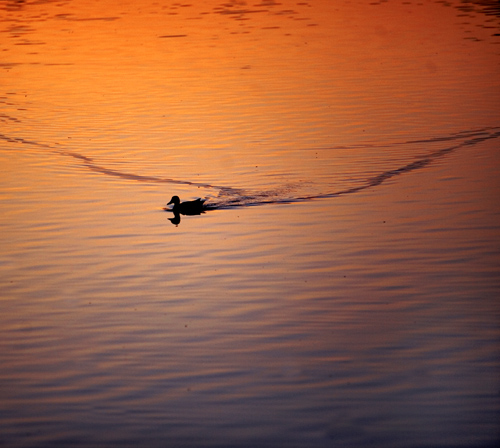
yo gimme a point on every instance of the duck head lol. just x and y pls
(175, 200)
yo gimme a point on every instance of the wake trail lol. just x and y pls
(230, 197)
(478, 137)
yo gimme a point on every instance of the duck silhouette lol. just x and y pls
(186, 208)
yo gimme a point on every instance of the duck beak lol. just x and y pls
(171, 202)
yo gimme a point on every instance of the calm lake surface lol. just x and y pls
(344, 289)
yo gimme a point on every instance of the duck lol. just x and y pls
(186, 208)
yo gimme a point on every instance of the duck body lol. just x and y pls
(186, 208)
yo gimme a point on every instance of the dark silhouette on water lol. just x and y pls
(186, 208)
(196, 207)
(176, 219)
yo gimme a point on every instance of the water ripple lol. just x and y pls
(230, 197)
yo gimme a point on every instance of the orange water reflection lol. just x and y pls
(235, 88)
(346, 318)
(232, 70)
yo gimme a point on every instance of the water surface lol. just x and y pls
(342, 291)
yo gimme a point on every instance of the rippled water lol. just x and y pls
(343, 288)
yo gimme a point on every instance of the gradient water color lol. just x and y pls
(344, 289)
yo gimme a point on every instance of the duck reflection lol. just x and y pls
(179, 208)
